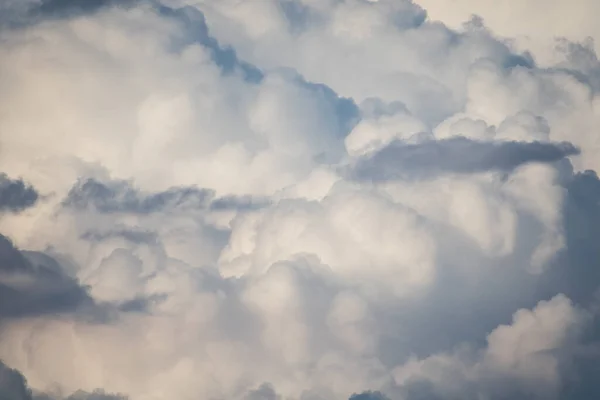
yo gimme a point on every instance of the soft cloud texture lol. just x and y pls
(530, 23)
(296, 199)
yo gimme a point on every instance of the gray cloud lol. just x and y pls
(465, 300)
(134, 236)
(33, 283)
(95, 395)
(577, 270)
(264, 392)
(368, 395)
(16, 195)
(123, 197)
(68, 8)
(17, 14)
(197, 31)
(120, 196)
(238, 203)
(452, 320)
(401, 160)
(297, 14)
(577, 274)
(13, 386)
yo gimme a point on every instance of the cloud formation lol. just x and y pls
(296, 199)
(456, 155)
(16, 195)
(35, 284)
(13, 386)
(120, 197)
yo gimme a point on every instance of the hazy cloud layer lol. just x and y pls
(299, 200)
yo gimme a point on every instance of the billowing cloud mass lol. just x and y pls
(299, 200)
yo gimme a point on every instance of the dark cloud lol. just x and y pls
(131, 235)
(401, 160)
(425, 390)
(122, 197)
(494, 388)
(16, 14)
(95, 395)
(16, 195)
(466, 312)
(368, 396)
(69, 8)
(582, 229)
(298, 15)
(576, 273)
(581, 377)
(139, 305)
(239, 203)
(410, 16)
(196, 31)
(13, 386)
(347, 112)
(264, 392)
(576, 270)
(33, 283)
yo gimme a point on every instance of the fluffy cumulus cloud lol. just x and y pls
(299, 200)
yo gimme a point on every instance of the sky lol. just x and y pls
(299, 200)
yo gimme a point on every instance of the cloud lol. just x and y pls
(264, 392)
(64, 8)
(368, 396)
(197, 31)
(22, 14)
(303, 200)
(530, 33)
(96, 395)
(121, 197)
(455, 155)
(581, 212)
(529, 353)
(13, 386)
(16, 195)
(238, 203)
(35, 284)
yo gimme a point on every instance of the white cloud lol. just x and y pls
(229, 246)
(534, 24)
(528, 352)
